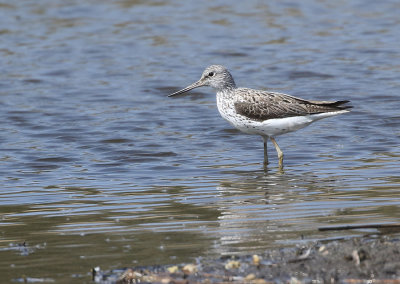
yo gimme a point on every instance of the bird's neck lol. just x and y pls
(226, 93)
(227, 89)
(227, 85)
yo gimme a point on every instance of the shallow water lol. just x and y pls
(99, 167)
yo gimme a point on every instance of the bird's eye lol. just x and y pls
(211, 74)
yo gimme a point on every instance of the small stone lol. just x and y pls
(356, 257)
(130, 275)
(249, 277)
(256, 260)
(189, 269)
(259, 281)
(173, 269)
(232, 264)
(166, 280)
(294, 280)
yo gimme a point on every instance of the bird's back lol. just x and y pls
(263, 105)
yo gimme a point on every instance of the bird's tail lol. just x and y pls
(338, 105)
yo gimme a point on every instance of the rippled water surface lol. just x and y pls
(99, 167)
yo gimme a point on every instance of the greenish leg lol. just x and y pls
(265, 152)
(280, 153)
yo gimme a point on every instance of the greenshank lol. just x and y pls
(264, 113)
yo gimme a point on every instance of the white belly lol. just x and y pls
(272, 127)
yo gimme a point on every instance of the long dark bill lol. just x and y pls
(188, 88)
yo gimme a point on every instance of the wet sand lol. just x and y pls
(357, 260)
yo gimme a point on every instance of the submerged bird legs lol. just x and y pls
(278, 150)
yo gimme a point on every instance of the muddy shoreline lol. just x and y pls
(357, 260)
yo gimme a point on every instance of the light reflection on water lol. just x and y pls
(99, 167)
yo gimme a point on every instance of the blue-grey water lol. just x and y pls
(99, 168)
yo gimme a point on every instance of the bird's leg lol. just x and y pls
(280, 153)
(265, 152)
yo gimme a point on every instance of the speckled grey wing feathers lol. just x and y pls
(263, 105)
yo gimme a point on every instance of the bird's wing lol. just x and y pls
(263, 105)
